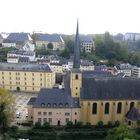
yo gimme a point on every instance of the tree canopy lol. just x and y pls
(122, 133)
(7, 108)
(50, 46)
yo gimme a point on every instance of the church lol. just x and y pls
(88, 97)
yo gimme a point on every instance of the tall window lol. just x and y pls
(76, 76)
(131, 105)
(119, 108)
(94, 108)
(107, 108)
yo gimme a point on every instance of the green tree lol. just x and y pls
(37, 125)
(7, 108)
(65, 53)
(46, 125)
(122, 133)
(50, 46)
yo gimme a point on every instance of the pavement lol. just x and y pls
(21, 105)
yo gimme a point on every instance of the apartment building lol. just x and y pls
(26, 77)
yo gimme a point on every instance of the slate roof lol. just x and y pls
(110, 89)
(31, 101)
(86, 39)
(86, 63)
(96, 73)
(25, 67)
(49, 37)
(55, 98)
(16, 37)
(133, 114)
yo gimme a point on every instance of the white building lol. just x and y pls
(28, 47)
(136, 72)
(132, 36)
(123, 68)
(87, 44)
(17, 53)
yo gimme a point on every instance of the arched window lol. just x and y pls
(131, 105)
(119, 108)
(76, 76)
(94, 108)
(107, 108)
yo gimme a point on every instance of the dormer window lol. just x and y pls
(42, 105)
(66, 105)
(54, 105)
(60, 105)
(48, 105)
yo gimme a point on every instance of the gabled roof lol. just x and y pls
(31, 101)
(133, 114)
(49, 37)
(110, 89)
(17, 37)
(86, 39)
(55, 98)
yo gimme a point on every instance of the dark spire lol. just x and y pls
(76, 63)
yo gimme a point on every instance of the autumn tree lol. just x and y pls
(7, 108)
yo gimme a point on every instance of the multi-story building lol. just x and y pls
(87, 97)
(56, 67)
(55, 107)
(20, 53)
(87, 44)
(123, 68)
(42, 40)
(26, 77)
(86, 66)
(136, 72)
(132, 36)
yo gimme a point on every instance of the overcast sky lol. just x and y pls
(59, 16)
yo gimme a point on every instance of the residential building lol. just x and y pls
(56, 67)
(28, 47)
(42, 40)
(26, 77)
(88, 96)
(136, 72)
(123, 68)
(20, 53)
(86, 43)
(132, 36)
(86, 65)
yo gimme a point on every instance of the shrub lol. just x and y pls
(117, 123)
(46, 125)
(78, 124)
(100, 124)
(110, 124)
(14, 128)
(88, 125)
(37, 125)
(69, 124)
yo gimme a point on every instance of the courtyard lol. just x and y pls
(22, 99)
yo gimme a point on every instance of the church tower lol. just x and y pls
(76, 75)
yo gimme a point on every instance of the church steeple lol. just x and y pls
(76, 63)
